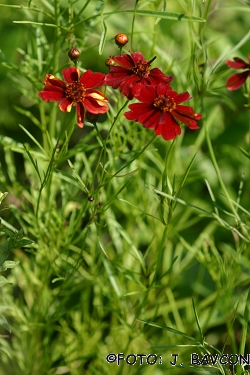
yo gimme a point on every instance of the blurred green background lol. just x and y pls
(69, 327)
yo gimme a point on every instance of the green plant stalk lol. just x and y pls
(49, 173)
(56, 49)
(43, 127)
(211, 151)
(133, 24)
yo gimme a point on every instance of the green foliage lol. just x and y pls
(125, 243)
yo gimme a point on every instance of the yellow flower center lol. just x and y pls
(164, 103)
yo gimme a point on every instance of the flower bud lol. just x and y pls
(91, 117)
(121, 40)
(110, 62)
(74, 54)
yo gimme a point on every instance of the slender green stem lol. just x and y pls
(133, 24)
(229, 201)
(56, 49)
(116, 118)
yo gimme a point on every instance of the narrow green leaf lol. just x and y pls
(58, 279)
(2, 196)
(3, 256)
(113, 278)
(164, 15)
(244, 152)
(4, 351)
(197, 320)
(34, 162)
(33, 139)
(103, 38)
(27, 114)
(40, 24)
(23, 243)
(10, 264)
(167, 329)
(18, 147)
(78, 177)
(3, 281)
(4, 323)
(103, 250)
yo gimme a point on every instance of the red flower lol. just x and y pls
(78, 91)
(159, 109)
(237, 80)
(133, 70)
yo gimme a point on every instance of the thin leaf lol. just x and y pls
(10, 264)
(103, 38)
(164, 15)
(4, 323)
(4, 281)
(3, 196)
(167, 329)
(4, 351)
(33, 139)
(244, 152)
(197, 320)
(82, 184)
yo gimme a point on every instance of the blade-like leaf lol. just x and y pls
(164, 15)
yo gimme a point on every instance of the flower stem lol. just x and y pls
(133, 24)
(229, 201)
(53, 114)
(116, 117)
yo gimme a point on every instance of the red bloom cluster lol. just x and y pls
(237, 80)
(133, 71)
(159, 108)
(78, 91)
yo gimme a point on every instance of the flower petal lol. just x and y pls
(116, 75)
(188, 111)
(237, 64)
(126, 86)
(94, 106)
(71, 74)
(168, 127)
(92, 80)
(237, 80)
(156, 75)
(98, 96)
(190, 122)
(50, 80)
(52, 94)
(183, 97)
(80, 115)
(152, 120)
(65, 105)
(124, 60)
(138, 57)
(164, 88)
(144, 93)
(137, 109)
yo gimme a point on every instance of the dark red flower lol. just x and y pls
(77, 91)
(159, 109)
(133, 70)
(237, 80)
